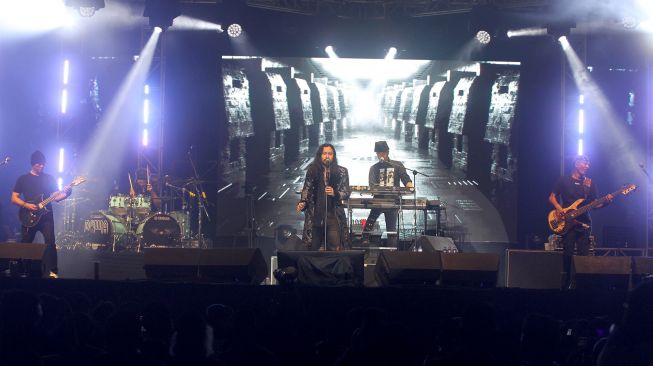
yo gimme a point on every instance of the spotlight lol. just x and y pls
(392, 52)
(564, 42)
(630, 21)
(234, 30)
(86, 8)
(483, 37)
(330, 52)
(161, 13)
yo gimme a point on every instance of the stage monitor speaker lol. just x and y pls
(642, 269)
(469, 269)
(601, 273)
(343, 268)
(408, 268)
(23, 259)
(428, 243)
(536, 269)
(228, 265)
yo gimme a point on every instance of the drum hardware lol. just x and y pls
(159, 230)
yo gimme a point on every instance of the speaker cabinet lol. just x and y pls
(536, 269)
(642, 269)
(233, 265)
(408, 268)
(23, 259)
(469, 269)
(601, 273)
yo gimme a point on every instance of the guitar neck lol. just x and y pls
(597, 202)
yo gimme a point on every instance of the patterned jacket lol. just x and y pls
(309, 196)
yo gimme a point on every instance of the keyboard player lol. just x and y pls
(385, 173)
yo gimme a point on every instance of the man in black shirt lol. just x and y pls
(29, 191)
(571, 188)
(145, 188)
(385, 173)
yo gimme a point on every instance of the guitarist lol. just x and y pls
(34, 187)
(571, 188)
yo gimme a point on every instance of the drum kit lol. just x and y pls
(129, 223)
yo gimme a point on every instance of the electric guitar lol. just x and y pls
(561, 225)
(29, 218)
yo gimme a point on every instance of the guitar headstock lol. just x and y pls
(627, 189)
(78, 180)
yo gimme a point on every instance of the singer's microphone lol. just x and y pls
(7, 160)
(641, 165)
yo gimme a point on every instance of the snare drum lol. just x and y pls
(104, 230)
(119, 204)
(159, 230)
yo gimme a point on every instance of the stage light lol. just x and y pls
(86, 8)
(61, 156)
(564, 42)
(330, 52)
(64, 101)
(392, 52)
(526, 32)
(483, 37)
(161, 13)
(145, 137)
(66, 70)
(234, 30)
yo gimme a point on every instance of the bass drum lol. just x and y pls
(183, 219)
(159, 230)
(103, 230)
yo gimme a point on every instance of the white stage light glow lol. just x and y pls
(27, 16)
(483, 37)
(392, 52)
(64, 101)
(370, 69)
(330, 52)
(234, 30)
(526, 32)
(61, 157)
(184, 22)
(66, 70)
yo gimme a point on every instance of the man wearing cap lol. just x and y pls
(571, 188)
(30, 189)
(385, 173)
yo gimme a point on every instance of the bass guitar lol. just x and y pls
(29, 218)
(562, 224)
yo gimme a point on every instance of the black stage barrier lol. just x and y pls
(469, 269)
(408, 268)
(233, 265)
(343, 268)
(536, 269)
(601, 273)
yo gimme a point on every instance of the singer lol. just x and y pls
(385, 173)
(325, 186)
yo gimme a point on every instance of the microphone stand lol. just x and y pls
(201, 205)
(326, 201)
(650, 182)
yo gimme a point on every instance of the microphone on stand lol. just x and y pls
(6, 161)
(327, 171)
